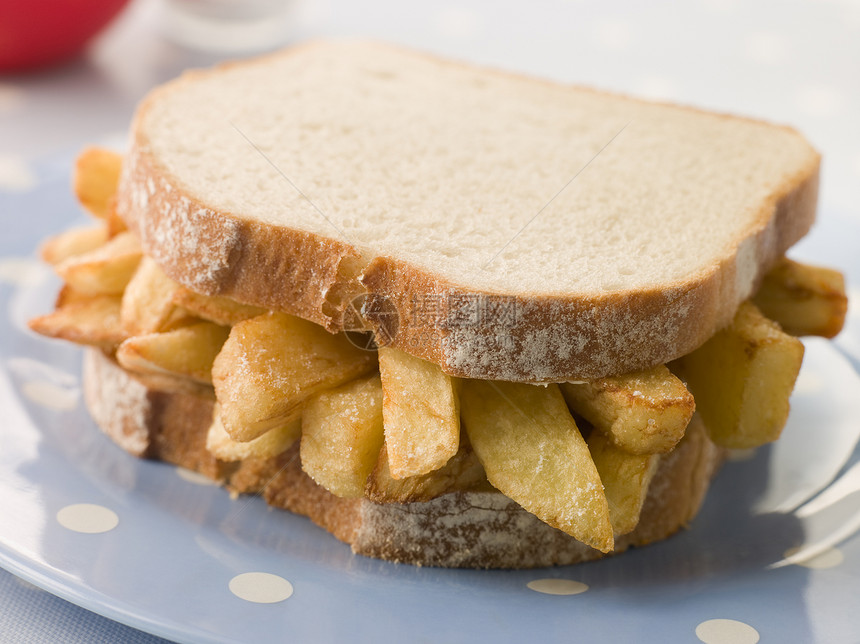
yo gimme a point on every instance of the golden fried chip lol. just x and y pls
(625, 479)
(533, 453)
(271, 363)
(645, 412)
(803, 299)
(215, 308)
(105, 270)
(462, 473)
(421, 412)
(95, 180)
(188, 351)
(85, 320)
(342, 435)
(73, 242)
(273, 442)
(742, 379)
(147, 303)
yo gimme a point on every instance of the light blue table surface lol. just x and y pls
(793, 62)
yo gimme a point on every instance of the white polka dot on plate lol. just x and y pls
(50, 395)
(458, 22)
(194, 477)
(16, 175)
(740, 455)
(830, 558)
(765, 48)
(557, 586)
(88, 518)
(820, 100)
(726, 631)
(261, 587)
(28, 369)
(22, 271)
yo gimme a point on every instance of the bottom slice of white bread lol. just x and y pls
(460, 529)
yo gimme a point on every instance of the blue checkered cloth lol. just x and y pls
(30, 615)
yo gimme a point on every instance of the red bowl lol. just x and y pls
(34, 33)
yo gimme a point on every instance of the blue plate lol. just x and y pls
(775, 551)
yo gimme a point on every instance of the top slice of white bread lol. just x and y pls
(521, 229)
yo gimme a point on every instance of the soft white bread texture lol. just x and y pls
(520, 229)
(462, 529)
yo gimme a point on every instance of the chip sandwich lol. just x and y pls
(457, 317)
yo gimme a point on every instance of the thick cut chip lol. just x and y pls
(105, 270)
(533, 453)
(115, 223)
(84, 320)
(273, 442)
(645, 412)
(271, 363)
(625, 478)
(147, 303)
(341, 436)
(742, 379)
(421, 412)
(188, 351)
(462, 473)
(96, 177)
(215, 308)
(72, 242)
(68, 295)
(172, 384)
(803, 299)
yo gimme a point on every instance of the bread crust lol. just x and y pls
(550, 338)
(462, 529)
(219, 253)
(526, 338)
